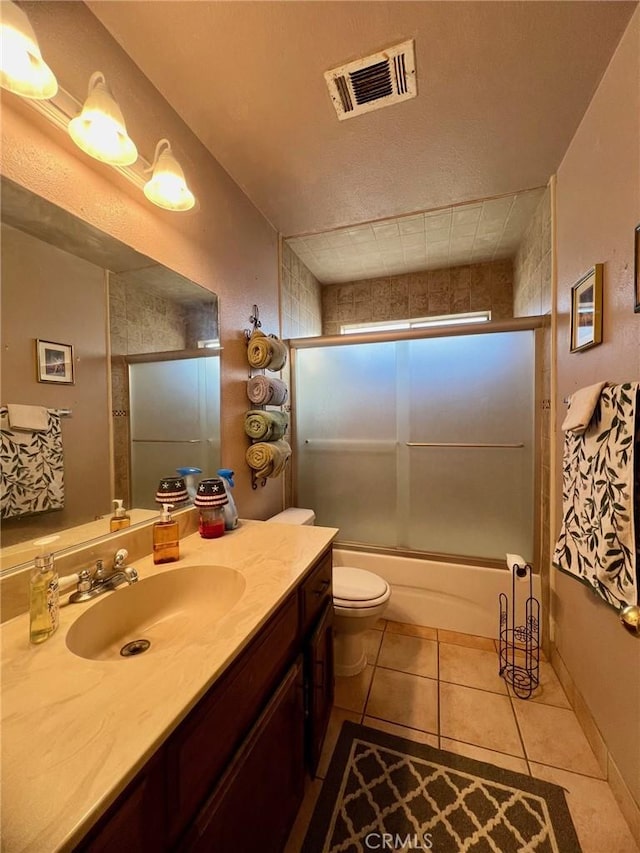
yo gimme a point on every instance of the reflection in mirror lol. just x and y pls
(67, 283)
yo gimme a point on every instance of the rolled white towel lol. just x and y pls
(581, 407)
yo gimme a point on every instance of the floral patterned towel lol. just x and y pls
(31, 476)
(597, 543)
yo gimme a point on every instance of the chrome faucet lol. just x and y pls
(92, 584)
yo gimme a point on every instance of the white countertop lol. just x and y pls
(76, 731)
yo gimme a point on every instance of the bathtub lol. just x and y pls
(452, 596)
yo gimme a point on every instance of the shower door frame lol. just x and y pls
(535, 323)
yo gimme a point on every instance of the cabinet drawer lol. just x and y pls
(199, 751)
(315, 591)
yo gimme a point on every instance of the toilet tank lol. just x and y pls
(294, 515)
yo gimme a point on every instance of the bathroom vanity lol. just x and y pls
(201, 743)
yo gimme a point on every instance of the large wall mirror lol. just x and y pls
(121, 351)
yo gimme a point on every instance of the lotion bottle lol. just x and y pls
(166, 546)
(43, 594)
(119, 519)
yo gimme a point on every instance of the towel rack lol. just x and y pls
(457, 444)
(64, 413)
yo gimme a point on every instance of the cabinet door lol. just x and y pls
(136, 821)
(319, 684)
(256, 802)
(201, 749)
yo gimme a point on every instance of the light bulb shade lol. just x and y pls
(167, 187)
(100, 130)
(22, 68)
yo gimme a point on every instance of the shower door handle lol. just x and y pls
(457, 444)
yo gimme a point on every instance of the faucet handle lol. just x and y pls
(84, 581)
(99, 572)
(120, 558)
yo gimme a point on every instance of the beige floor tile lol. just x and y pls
(338, 716)
(471, 667)
(499, 759)
(372, 642)
(351, 692)
(380, 625)
(473, 642)
(549, 691)
(553, 736)
(400, 697)
(412, 630)
(478, 717)
(301, 824)
(402, 731)
(409, 654)
(598, 820)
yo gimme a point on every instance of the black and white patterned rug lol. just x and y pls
(386, 793)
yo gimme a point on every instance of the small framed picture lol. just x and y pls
(636, 269)
(586, 310)
(55, 362)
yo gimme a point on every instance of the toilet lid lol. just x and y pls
(351, 584)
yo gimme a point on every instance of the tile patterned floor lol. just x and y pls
(442, 688)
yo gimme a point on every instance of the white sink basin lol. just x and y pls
(166, 610)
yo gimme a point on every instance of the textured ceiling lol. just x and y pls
(502, 87)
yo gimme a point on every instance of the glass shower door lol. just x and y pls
(424, 444)
(346, 439)
(175, 421)
(468, 445)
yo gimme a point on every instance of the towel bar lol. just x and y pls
(456, 444)
(167, 440)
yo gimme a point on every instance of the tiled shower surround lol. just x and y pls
(300, 294)
(455, 290)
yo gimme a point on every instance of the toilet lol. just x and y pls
(360, 598)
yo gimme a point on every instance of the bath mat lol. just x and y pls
(383, 792)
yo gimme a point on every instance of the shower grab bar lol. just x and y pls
(457, 444)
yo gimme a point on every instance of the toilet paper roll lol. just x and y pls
(518, 566)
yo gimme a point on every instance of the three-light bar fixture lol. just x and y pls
(99, 128)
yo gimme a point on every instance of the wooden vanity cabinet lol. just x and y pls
(231, 776)
(257, 799)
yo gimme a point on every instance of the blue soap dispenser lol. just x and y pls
(229, 509)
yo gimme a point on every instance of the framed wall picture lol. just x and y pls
(586, 310)
(636, 269)
(54, 362)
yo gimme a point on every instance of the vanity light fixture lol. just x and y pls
(22, 68)
(100, 130)
(167, 187)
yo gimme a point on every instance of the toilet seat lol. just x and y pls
(358, 589)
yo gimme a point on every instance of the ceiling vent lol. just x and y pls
(374, 82)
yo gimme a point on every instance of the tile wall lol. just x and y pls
(474, 287)
(300, 294)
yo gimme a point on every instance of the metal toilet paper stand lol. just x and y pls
(519, 648)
